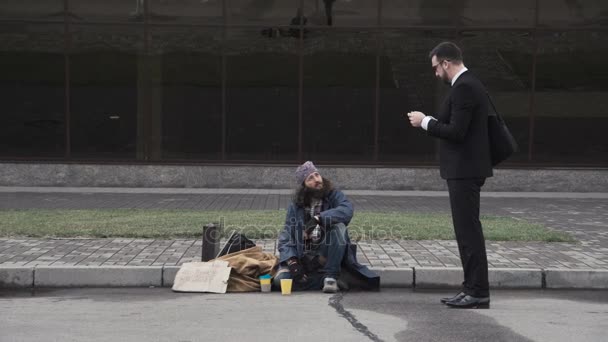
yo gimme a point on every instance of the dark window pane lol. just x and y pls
(339, 95)
(32, 9)
(408, 85)
(186, 11)
(573, 12)
(261, 12)
(105, 68)
(32, 82)
(458, 12)
(262, 96)
(106, 10)
(315, 12)
(571, 91)
(187, 69)
(341, 13)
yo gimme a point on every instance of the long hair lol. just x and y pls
(303, 196)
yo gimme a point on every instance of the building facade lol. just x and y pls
(282, 81)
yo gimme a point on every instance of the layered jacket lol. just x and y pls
(336, 209)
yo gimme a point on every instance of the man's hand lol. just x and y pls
(311, 224)
(415, 118)
(296, 269)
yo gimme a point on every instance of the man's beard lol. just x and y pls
(314, 192)
(446, 80)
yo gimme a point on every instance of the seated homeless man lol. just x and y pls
(314, 241)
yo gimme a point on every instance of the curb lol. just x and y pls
(16, 277)
(576, 279)
(103, 276)
(499, 278)
(395, 277)
(411, 277)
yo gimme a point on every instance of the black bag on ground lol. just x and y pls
(502, 143)
(235, 243)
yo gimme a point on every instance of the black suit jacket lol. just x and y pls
(462, 127)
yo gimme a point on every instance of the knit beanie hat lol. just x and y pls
(304, 171)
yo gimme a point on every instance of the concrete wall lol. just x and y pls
(281, 177)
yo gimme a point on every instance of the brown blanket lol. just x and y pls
(247, 266)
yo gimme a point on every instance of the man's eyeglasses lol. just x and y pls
(438, 64)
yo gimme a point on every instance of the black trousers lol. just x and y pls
(464, 201)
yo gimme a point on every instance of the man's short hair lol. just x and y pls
(447, 51)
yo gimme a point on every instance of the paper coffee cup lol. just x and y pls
(286, 286)
(266, 287)
(265, 284)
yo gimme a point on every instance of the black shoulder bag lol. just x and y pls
(502, 143)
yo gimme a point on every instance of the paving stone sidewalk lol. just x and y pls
(585, 218)
(385, 254)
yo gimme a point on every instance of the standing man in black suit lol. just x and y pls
(464, 154)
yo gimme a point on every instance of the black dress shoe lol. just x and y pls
(470, 302)
(456, 297)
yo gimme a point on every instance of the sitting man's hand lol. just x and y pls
(310, 225)
(296, 269)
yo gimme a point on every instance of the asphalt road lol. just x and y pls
(158, 314)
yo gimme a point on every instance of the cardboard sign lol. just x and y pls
(209, 276)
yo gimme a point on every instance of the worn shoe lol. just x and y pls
(456, 297)
(330, 285)
(470, 302)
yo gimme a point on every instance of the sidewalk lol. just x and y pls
(401, 263)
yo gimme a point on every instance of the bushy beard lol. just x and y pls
(310, 193)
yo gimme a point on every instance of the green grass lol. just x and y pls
(168, 224)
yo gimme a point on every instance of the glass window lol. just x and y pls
(341, 13)
(32, 82)
(32, 9)
(261, 95)
(186, 70)
(262, 13)
(458, 12)
(407, 84)
(186, 11)
(107, 10)
(107, 93)
(571, 89)
(570, 12)
(339, 95)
